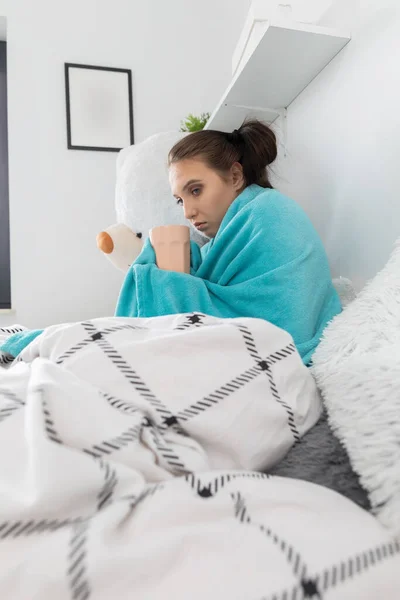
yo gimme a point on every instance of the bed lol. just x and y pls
(190, 456)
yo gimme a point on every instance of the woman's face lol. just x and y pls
(203, 193)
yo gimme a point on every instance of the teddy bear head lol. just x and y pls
(143, 199)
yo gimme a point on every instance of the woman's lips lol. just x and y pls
(200, 226)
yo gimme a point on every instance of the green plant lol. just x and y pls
(193, 123)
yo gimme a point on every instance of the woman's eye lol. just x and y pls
(196, 191)
(179, 201)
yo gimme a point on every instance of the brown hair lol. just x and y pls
(253, 145)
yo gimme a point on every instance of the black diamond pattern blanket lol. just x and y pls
(131, 457)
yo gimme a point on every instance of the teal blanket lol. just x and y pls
(18, 341)
(266, 261)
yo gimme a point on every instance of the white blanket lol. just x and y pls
(127, 448)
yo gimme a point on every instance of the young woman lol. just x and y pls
(264, 258)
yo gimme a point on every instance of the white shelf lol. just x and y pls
(287, 58)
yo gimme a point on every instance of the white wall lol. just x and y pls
(180, 55)
(344, 141)
(3, 29)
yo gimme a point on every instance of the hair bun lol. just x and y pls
(235, 137)
(260, 142)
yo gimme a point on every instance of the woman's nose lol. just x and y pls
(189, 211)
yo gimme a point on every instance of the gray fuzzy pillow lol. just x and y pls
(321, 458)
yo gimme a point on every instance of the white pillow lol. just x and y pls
(369, 322)
(357, 367)
(345, 289)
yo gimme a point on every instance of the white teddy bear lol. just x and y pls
(143, 199)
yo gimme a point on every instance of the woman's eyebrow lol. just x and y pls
(187, 185)
(190, 183)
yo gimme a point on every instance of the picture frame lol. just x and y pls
(99, 107)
